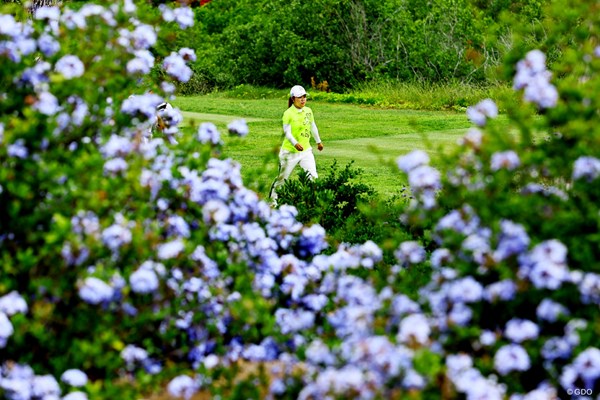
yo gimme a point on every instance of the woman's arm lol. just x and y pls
(315, 133)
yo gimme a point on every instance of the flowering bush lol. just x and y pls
(130, 260)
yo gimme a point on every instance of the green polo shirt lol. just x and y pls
(301, 124)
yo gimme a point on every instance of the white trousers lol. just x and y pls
(287, 163)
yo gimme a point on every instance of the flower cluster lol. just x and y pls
(534, 78)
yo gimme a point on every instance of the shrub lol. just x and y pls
(130, 261)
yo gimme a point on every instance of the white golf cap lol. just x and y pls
(297, 91)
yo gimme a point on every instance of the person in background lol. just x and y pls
(298, 126)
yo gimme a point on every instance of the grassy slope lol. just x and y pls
(372, 137)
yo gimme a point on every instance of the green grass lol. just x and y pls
(372, 137)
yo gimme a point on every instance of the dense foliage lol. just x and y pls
(129, 259)
(339, 43)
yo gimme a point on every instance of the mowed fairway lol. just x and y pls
(372, 138)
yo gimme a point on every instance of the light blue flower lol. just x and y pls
(13, 303)
(482, 111)
(6, 329)
(69, 66)
(183, 386)
(74, 377)
(239, 127)
(95, 291)
(175, 66)
(412, 160)
(511, 357)
(143, 281)
(46, 104)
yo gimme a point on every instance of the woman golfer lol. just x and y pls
(298, 124)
